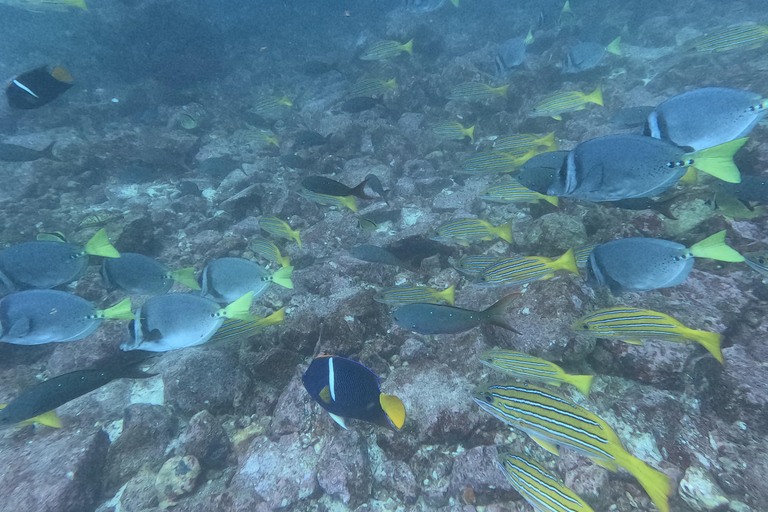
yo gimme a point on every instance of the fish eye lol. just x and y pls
(585, 326)
(761, 261)
(488, 398)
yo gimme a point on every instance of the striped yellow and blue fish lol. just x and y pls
(569, 101)
(582, 255)
(527, 367)
(463, 231)
(269, 251)
(553, 421)
(98, 220)
(407, 294)
(514, 192)
(526, 141)
(232, 330)
(453, 130)
(496, 161)
(526, 269)
(476, 91)
(474, 265)
(743, 37)
(263, 137)
(328, 200)
(279, 228)
(372, 87)
(540, 489)
(634, 325)
(758, 261)
(383, 50)
(51, 236)
(271, 105)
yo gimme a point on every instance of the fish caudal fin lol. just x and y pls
(186, 276)
(455, 3)
(581, 382)
(296, 236)
(595, 96)
(529, 37)
(285, 100)
(504, 232)
(349, 202)
(548, 141)
(709, 340)
(48, 152)
(393, 408)
(275, 318)
(99, 245)
(120, 311)
(240, 309)
(447, 294)
(284, 261)
(567, 7)
(408, 47)
(718, 160)
(495, 313)
(555, 201)
(359, 190)
(690, 177)
(567, 262)
(655, 483)
(469, 132)
(614, 47)
(714, 248)
(500, 91)
(283, 277)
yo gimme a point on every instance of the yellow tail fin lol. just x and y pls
(709, 340)
(655, 483)
(240, 309)
(552, 200)
(120, 311)
(529, 37)
(186, 276)
(500, 91)
(690, 177)
(391, 84)
(567, 6)
(714, 247)
(548, 141)
(283, 277)
(595, 96)
(566, 262)
(408, 47)
(504, 232)
(718, 160)
(447, 294)
(394, 409)
(469, 132)
(99, 245)
(275, 318)
(284, 261)
(285, 100)
(295, 235)
(614, 47)
(581, 382)
(77, 3)
(48, 419)
(349, 202)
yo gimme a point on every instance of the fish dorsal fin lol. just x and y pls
(551, 448)
(325, 394)
(339, 420)
(186, 276)
(99, 245)
(20, 328)
(394, 409)
(120, 311)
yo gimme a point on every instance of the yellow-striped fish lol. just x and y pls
(463, 231)
(263, 137)
(553, 421)
(525, 141)
(51, 236)
(528, 367)
(271, 105)
(635, 325)
(514, 192)
(518, 271)
(279, 228)
(232, 330)
(476, 91)
(496, 161)
(582, 255)
(540, 489)
(569, 101)
(743, 37)
(383, 50)
(372, 87)
(453, 130)
(474, 265)
(269, 251)
(98, 219)
(406, 294)
(328, 200)
(757, 260)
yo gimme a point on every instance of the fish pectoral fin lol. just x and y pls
(551, 448)
(339, 420)
(20, 328)
(557, 118)
(325, 395)
(610, 466)
(393, 408)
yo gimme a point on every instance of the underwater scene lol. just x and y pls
(405, 255)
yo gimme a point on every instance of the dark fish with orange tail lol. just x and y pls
(38, 87)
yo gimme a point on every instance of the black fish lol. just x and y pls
(319, 67)
(218, 167)
(375, 254)
(14, 153)
(189, 188)
(294, 161)
(329, 187)
(360, 104)
(38, 87)
(645, 203)
(376, 186)
(752, 188)
(308, 139)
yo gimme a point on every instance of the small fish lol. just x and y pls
(188, 121)
(375, 254)
(328, 200)
(269, 250)
(528, 367)
(372, 87)
(366, 224)
(44, 264)
(514, 192)
(142, 275)
(642, 264)
(34, 317)
(730, 207)
(37, 6)
(51, 236)
(743, 37)
(407, 294)
(98, 219)
(360, 104)
(707, 117)
(264, 138)
(581, 255)
(439, 319)
(631, 117)
(235, 330)
(225, 279)
(496, 161)
(375, 184)
(38, 87)
(474, 265)
(327, 186)
(525, 141)
(463, 231)
(179, 320)
(309, 138)
(218, 167)
(588, 55)
(645, 203)
(634, 325)
(279, 228)
(518, 271)
(758, 260)
(561, 102)
(383, 50)
(552, 421)
(476, 91)
(539, 488)
(269, 106)
(347, 389)
(511, 53)
(453, 130)
(752, 188)
(189, 188)
(14, 153)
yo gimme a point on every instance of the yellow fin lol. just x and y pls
(529, 37)
(447, 294)
(99, 245)
(393, 408)
(391, 84)
(581, 382)
(690, 177)
(120, 311)
(275, 318)
(566, 262)
(284, 261)
(349, 202)
(469, 132)
(718, 160)
(567, 6)
(551, 200)
(76, 3)
(548, 141)
(294, 233)
(595, 96)
(240, 308)
(186, 276)
(325, 394)
(48, 419)
(629, 342)
(714, 247)
(551, 448)
(614, 47)
(283, 277)
(557, 117)
(408, 47)
(655, 483)
(455, 3)
(500, 91)
(285, 100)
(709, 340)
(504, 232)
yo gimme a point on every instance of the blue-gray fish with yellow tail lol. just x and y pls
(226, 279)
(642, 264)
(441, 319)
(527, 367)
(539, 488)
(526, 269)
(552, 421)
(634, 325)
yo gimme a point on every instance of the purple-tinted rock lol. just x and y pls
(412, 349)
(396, 476)
(292, 413)
(206, 440)
(176, 478)
(343, 470)
(139, 493)
(477, 469)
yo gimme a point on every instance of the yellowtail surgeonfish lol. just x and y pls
(407, 294)
(552, 421)
(540, 489)
(383, 50)
(743, 37)
(496, 162)
(463, 231)
(371, 87)
(526, 141)
(453, 130)
(270, 251)
(634, 325)
(518, 271)
(514, 192)
(279, 228)
(527, 367)
(476, 91)
(569, 101)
